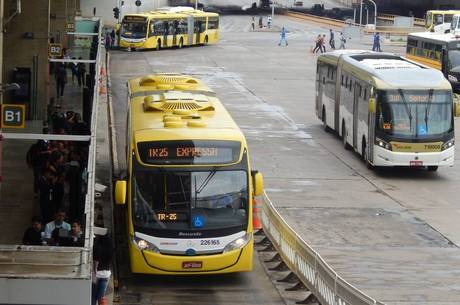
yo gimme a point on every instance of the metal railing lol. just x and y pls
(311, 269)
(47, 260)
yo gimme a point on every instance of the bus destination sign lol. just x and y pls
(134, 19)
(189, 152)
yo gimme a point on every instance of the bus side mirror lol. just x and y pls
(372, 105)
(120, 192)
(258, 181)
(456, 105)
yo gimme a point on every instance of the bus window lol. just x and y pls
(448, 18)
(454, 60)
(438, 19)
(134, 29)
(213, 23)
(158, 27)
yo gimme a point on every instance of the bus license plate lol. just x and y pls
(416, 163)
(192, 265)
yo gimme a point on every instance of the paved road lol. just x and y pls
(394, 234)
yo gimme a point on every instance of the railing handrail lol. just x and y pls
(312, 270)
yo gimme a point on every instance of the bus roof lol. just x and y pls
(438, 37)
(171, 12)
(386, 70)
(179, 115)
(161, 82)
(444, 11)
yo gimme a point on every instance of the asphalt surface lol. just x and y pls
(393, 233)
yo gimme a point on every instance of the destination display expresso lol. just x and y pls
(187, 152)
(134, 19)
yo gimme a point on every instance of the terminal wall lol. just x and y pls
(61, 12)
(104, 9)
(19, 51)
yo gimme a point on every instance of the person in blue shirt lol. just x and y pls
(283, 37)
(376, 45)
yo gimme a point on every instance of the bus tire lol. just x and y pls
(205, 43)
(432, 168)
(181, 43)
(158, 45)
(344, 137)
(323, 118)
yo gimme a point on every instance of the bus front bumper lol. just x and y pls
(128, 43)
(155, 263)
(384, 157)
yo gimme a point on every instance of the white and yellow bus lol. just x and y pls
(169, 27)
(391, 111)
(189, 189)
(439, 20)
(438, 51)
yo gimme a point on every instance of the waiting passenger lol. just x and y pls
(33, 234)
(74, 238)
(56, 228)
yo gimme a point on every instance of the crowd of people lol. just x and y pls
(58, 168)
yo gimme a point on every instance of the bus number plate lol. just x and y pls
(416, 163)
(192, 265)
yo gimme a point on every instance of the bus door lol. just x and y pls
(371, 127)
(190, 30)
(319, 92)
(198, 27)
(357, 88)
(175, 31)
(337, 98)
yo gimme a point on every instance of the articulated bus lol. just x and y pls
(438, 51)
(391, 111)
(169, 27)
(189, 187)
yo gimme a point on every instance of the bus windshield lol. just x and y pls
(438, 19)
(133, 29)
(414, 114)
(189, 200)
(454, 61)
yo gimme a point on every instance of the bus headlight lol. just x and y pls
(382, 143)
(448, 144)
(142, 245)
(238, 243)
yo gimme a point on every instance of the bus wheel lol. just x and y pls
(432, 168)
(158, 45)
(323, 117)
(344, 137)
(205, 43)
(181, 43)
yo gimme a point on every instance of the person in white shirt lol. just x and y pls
(57, 223)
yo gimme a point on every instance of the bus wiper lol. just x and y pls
(427, 109)
(409, 113)
(205, 182)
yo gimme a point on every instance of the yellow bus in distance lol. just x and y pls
(169, 27)
(189, 187)
(438, 51)
(439, 20)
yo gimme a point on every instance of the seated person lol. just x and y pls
(33, 234)
(74, 238)
(56, 228)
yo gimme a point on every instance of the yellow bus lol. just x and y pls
(169, 27)
(439, 51)
(439, 20)
(189, 189)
